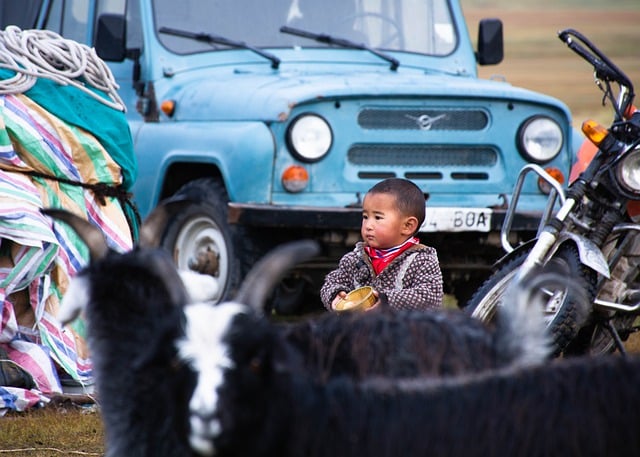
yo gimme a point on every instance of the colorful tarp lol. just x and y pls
(41, 154)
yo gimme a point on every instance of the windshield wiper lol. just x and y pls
(328, 39)
(209, 38)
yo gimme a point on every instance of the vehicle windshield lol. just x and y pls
(24, 16)
(418, 26)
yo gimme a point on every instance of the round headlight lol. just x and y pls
(309, 137)
(628, 172)
(540, 139)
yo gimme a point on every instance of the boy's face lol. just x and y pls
(383, 226)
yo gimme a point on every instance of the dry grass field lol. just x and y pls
(60, 429)
(534, 59)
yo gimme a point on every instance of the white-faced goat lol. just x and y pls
(134, 357)
(255, 397)
(246, 354)
(133, 304)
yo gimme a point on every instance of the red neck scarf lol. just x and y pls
(380, 258)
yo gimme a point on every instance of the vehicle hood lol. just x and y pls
(270, 95)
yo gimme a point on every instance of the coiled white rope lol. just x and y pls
(34, 54)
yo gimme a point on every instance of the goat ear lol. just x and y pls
(155, 223)
(89, 233)
(265, 275)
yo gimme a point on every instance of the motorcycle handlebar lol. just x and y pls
(603, 67)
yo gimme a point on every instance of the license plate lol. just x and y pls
(457, 220)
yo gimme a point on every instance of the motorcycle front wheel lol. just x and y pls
(564, 309)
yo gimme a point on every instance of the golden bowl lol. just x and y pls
(357, 300)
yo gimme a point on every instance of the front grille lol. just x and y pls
(422, 156)
(422, 119)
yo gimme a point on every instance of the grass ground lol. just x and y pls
(59, 429)
(534, 59)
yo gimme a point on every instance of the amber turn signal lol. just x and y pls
(595, 131)
(168, 107)
(556, 174)
(295, 178)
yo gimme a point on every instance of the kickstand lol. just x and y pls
(616, 337)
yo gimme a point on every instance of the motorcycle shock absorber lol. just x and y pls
(605, 225)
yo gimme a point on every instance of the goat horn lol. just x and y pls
(89, 233)
(155, 223)
(266, 273)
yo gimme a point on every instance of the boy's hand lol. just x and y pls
(377, 302)
(338, 297)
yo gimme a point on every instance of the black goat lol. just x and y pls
(134, 310)
(129, 361)
(412, 343)
(245, 347)
(255, 397)
(402, 343)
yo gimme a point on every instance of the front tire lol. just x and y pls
(564, 310)
(200, 238)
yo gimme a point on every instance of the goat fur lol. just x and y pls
(134, 316)
(264, 402)
(400, 343)
(412, 343)
(133, 303)
(156, 291)
(381, 342)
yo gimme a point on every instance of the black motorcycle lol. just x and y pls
(588, 234)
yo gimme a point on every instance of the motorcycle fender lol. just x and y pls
(590, 253)
(521, 247)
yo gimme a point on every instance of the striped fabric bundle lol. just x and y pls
(41, 157)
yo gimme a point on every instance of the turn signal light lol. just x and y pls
(295, 178)
(556, 174)
(168, 107)
(595, 131)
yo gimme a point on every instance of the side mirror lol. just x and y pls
(490, 43)
(111, 37)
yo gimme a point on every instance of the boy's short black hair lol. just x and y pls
(409, 197)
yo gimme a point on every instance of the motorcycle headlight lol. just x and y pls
(309, 137)
(628, 172)
(540, 139)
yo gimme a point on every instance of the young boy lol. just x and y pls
(390, 259)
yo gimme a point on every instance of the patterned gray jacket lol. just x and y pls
(413, 280)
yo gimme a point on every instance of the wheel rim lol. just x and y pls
(486, 309)
(198, 243)
(553, 303)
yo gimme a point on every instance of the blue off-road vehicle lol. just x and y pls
(276, 116)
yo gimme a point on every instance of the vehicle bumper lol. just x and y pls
(346, 218)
